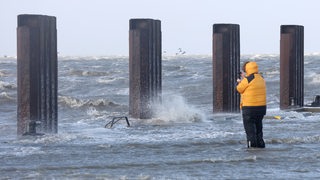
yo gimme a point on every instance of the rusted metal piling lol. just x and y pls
(37, 74)
(144, 66)
(226, 66)
(291, 66)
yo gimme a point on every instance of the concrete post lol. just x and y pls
(291, 66)
(226, 65)
(37, 74)
(144, 66)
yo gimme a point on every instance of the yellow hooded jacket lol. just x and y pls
(253, 87)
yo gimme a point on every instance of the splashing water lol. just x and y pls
(174, 108)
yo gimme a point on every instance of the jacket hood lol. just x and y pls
(251, 68)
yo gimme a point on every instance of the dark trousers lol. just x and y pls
(252, 121)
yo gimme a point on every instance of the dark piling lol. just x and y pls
(144, 66)
(291, 66)
(37, 74)
(226, 66)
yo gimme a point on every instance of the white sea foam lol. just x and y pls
(106, 81)
(48, 139)
(110, 80)
(94, 112)
(179, 57)
(316, 79)
(259, 56)
(2, 74)
(231, 159)
(123, 91)
(25, 151)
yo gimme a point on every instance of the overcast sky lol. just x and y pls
(101, 27)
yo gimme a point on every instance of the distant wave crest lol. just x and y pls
(6, 85)
(88, 73)
(79, 103)
(5, 97)
(87, 58)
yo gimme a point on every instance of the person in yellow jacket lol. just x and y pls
(252, 88)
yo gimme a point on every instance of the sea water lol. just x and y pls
(184, 140)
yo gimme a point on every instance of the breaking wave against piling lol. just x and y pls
(174, 108)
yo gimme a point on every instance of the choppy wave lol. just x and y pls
(5, 97)
(231, 159)
(185, 57)
(296, 140)
(93, 58)
(316, 79)
(259, 56)
(25, 151)
(2, 74)
(7, 86)
(87, 73)
(48, 139)
(78, 103)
